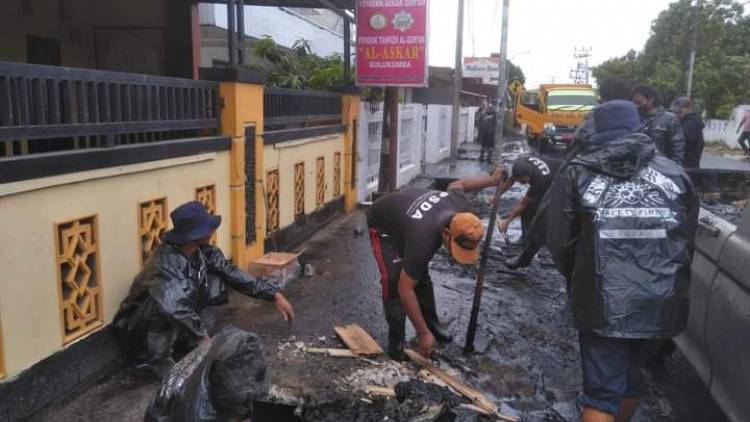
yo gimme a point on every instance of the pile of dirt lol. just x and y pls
(415, 400)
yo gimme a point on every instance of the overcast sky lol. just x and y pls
(549, 29)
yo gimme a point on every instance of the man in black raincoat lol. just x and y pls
(610, 89)
(661, 125)
(537, 172)
(184, 275)
(217, 382)
(692, 130)
(620, 227)
(487, 124)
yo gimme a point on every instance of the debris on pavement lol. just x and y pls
(358, 340)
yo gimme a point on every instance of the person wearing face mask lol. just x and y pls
(659, 124)
(407, 228)
(692, 129)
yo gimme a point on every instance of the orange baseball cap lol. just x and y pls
(466, 233)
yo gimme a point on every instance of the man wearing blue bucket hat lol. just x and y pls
(160, 317)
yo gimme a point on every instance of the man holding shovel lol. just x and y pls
(406, 229)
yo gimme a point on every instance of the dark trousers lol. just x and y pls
(528, 215)
(744, 141)
(388, 260)
(613, 369)
(487, 141)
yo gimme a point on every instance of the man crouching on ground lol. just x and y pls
(406, 229)
(185, 274)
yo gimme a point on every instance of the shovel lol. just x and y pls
(471, 333)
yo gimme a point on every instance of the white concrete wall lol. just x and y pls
(438, 137)
(411, 124)
(424, 130)
(725, 131)
(369, 127)
(285, 27)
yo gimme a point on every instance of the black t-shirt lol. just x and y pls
(415, 219)
(542, 173)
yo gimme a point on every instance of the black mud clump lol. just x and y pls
(415, 401)
(335, 406)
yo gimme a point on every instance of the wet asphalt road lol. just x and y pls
(527, 358)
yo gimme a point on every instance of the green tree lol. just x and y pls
(298, 67)
(515, 73)
(720, 79)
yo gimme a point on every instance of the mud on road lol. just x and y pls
(527, 354)
(527, 347)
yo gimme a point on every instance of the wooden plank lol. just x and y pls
(377, 390)
(470, 393)
(334, 353)
(277, 259)
(357, 340)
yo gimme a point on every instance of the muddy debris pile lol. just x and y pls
(414, 400)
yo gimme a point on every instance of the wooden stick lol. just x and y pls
(334, 353)
(470, 393)
(380, 391)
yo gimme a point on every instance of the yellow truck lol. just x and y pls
(552, 113)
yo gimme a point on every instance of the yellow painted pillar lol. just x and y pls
(241, 93)
(350, 115)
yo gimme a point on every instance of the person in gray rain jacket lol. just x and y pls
(160, 317)
(620, 226)
(661, 125)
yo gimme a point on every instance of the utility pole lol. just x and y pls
(389, 146)
(457, 82)
(580, 74)
(502, 84)
(695, 16)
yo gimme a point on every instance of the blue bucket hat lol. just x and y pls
(191, 221)
(615, 119)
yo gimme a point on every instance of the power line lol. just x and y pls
(580, 73)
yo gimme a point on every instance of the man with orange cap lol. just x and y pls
(406, 229)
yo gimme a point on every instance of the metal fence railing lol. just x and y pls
(51, 108)
(287, 108)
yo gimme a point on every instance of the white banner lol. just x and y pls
(486, 68)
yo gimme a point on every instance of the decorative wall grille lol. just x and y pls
(320, 181)
(206, 195)
(299, 189)
(336, 174)
(152, 223)
(272, 196)
(78, 267)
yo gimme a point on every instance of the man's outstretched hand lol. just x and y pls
(286, 309)
(503, 225)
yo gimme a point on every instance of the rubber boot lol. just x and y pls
(396, 319)
(426, 296)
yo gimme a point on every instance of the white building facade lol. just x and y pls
(323, 28)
